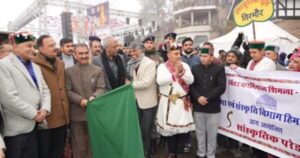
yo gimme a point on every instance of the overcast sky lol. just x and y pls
(11, 9)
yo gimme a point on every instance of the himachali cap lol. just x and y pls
(175, 46)
(257, 45)
(149, 38)
(204, 50)
(171, 34)
(21, 37)
(272, 48)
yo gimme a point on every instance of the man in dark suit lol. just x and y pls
(208, 86)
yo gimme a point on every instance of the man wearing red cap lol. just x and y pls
(259, 62)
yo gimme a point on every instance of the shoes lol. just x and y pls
(236, 153)
(147, 155)
(171, 155)
(220, 150)
(187, 147)
(153, 147)
(162, 142)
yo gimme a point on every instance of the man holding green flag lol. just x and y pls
(113, 125)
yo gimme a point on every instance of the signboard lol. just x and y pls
(98, 17)
(248, 11)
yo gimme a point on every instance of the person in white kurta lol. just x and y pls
(259, 62)
(265, 64)
(174, 116)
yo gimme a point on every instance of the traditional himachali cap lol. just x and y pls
(257, 45)
(149, 38)
(175, 46)
(204, 50)
(21, 37)
(171, 34)
(272, 48)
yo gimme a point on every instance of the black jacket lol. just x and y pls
(209, 82)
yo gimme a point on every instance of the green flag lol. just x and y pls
(114, 126)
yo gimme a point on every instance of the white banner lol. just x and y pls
(262, 109)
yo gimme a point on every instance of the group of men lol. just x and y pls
(177, 90)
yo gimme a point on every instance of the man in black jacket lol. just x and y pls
(209, 84)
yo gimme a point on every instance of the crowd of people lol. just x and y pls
(45, 91)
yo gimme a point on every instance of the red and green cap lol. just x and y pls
(257, 45)
(272, 48)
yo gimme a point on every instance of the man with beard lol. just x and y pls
(95, 45)
(67, 50)
(150, 51)
(187, 53)
(191, 59)
(233, 59)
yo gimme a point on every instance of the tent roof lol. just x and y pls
(266, 31)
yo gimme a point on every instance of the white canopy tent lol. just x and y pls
(266, 31)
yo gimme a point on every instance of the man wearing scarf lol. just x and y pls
(206, 91)
(150, 51)
(142, 71)
(259, 62)
(24, 96)
(174, 115)
(112, 64)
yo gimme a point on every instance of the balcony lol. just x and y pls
(187, 5)
(193, 29)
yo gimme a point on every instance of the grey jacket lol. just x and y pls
(19, 96)
(2, 126)
(280, 67)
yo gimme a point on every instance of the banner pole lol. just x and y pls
(254, 32)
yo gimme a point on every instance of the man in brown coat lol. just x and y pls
(51, 141)
(84, 82)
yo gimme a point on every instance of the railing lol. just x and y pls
(191, 3)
